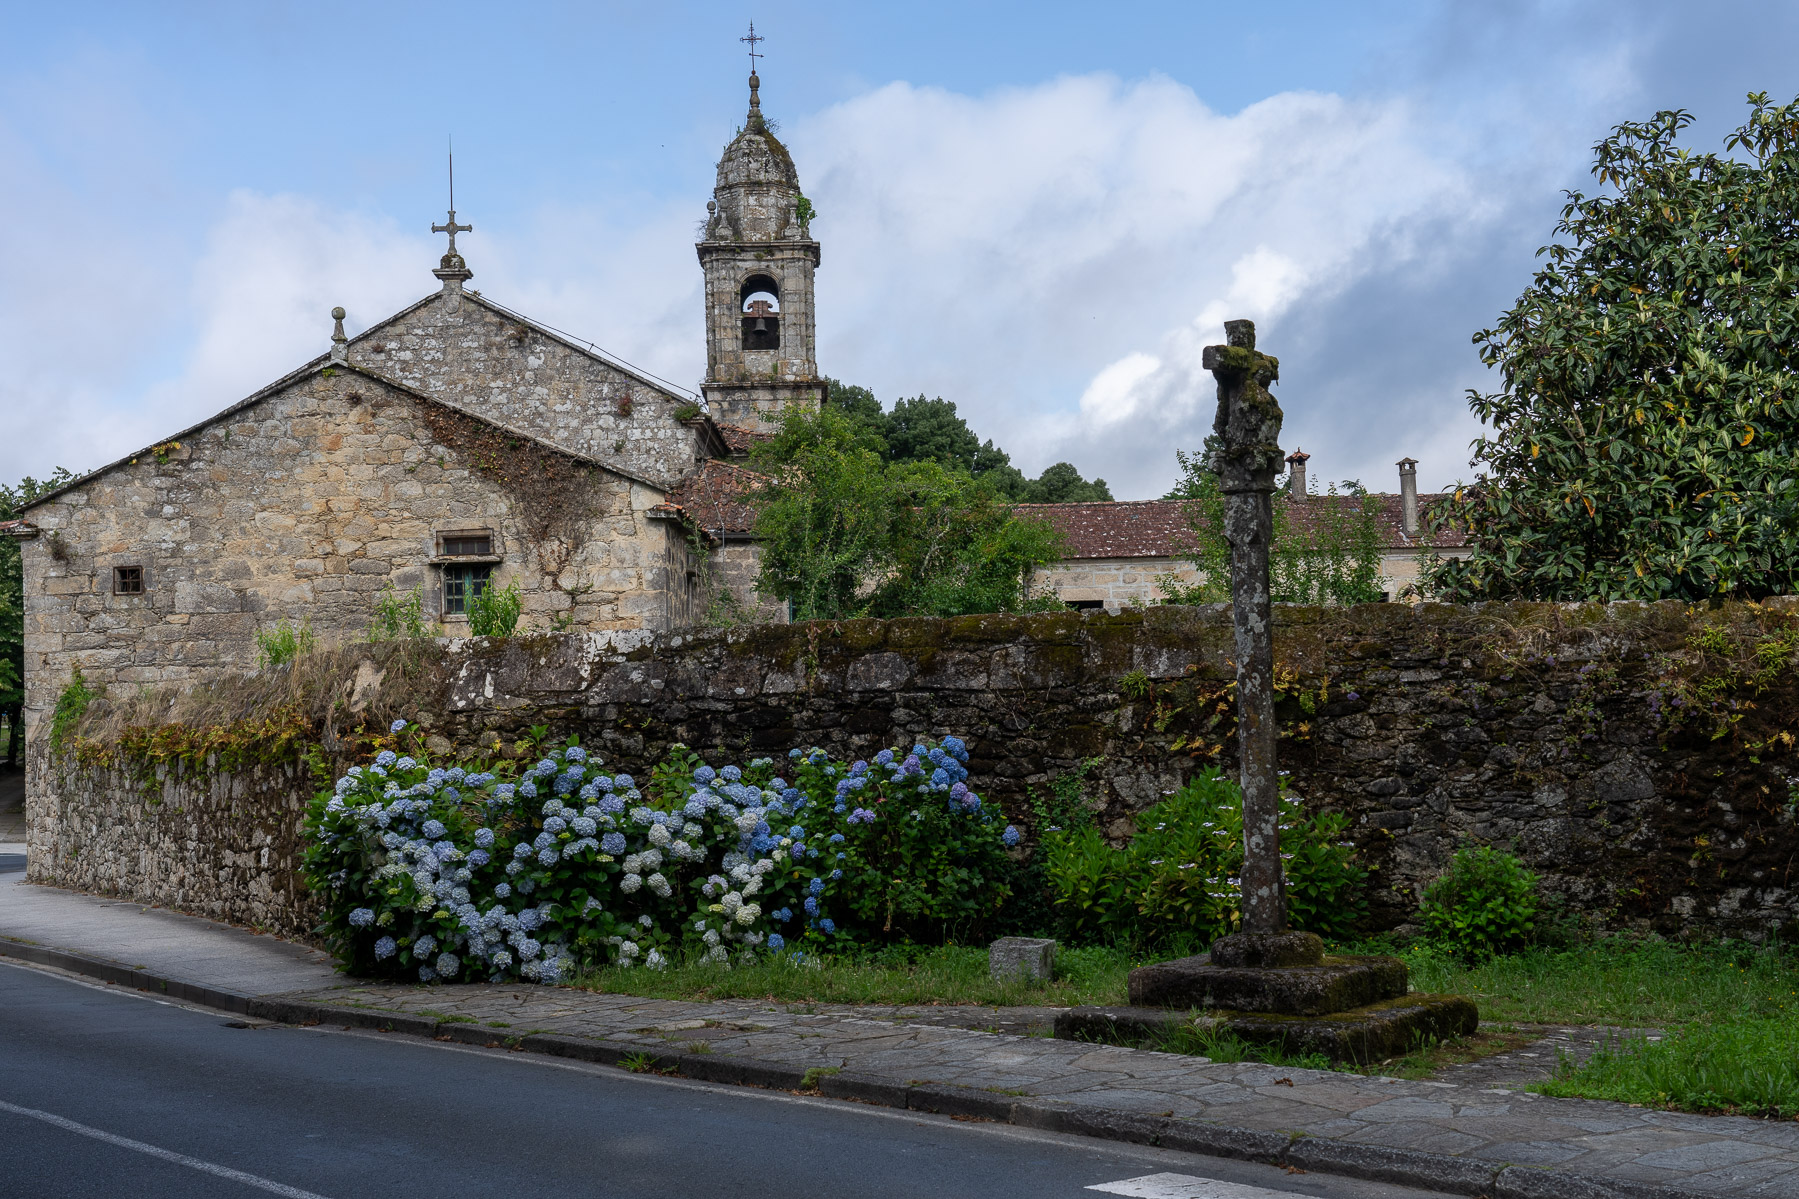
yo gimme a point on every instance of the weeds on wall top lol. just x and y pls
(283, 643)
(399, 616)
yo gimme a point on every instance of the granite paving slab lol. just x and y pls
(1720, 1155)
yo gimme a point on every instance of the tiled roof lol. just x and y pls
(17, 528)
(1158, 529)
(716, 497)
(742, 441)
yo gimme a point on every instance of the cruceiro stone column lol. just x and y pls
(1266, 983)
(1247, 435)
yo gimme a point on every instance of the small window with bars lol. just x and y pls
(462, 584)
(467, 545)
(127, 580)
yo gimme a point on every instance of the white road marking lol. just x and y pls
(167, 1155)
(1185, 1186)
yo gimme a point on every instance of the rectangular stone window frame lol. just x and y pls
(463, 575)
(130, 580)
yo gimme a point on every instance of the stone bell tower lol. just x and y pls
(759, 256)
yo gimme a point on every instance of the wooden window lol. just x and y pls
(127, 580)
(467, 545)
(461, 585)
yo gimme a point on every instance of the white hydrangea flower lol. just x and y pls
(747, 914)
(710, 937)
(659, 885)
(659, 834)
(754, 885)
(631, 884)
(718, 953)
(731, 902)
(651, 858)
(655, 960)
(628, 949)
(747, 822)
(633, 863)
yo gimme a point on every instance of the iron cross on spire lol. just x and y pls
(752, 39)
(452, 228)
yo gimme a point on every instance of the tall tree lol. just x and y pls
(12, 602)
(1646, 426)
(844, 533)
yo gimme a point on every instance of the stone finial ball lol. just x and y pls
(337, 314)
(711, 205)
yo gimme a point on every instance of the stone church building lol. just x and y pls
(452, 446)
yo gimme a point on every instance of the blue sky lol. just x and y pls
(1040, 211)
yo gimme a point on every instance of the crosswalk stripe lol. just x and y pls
(1185, 1186)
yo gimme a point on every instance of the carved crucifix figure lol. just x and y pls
(1247, 457)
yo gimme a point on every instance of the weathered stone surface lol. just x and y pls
(1335, 985)
(1021, 957)
(1268, 949)
(1367, 1034)
(1511, 742)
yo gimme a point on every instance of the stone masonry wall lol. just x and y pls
(1552, 730)
(302, 507)
(455, 345)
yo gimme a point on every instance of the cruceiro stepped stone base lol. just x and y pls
(1368, 1034)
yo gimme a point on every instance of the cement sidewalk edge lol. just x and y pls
(1297, 1150)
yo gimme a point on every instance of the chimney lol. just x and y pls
(1408, 495)
(1296, 480)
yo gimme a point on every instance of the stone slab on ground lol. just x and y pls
(1021, 957)
(1335, 985)
(1388, 1029)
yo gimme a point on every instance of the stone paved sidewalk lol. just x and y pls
(1482, 1126)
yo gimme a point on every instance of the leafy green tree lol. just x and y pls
(931, 430)
(845, 534)
(12, 602)
(1644, 435)
(1323, 551)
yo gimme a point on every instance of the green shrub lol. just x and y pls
(494, 612)
(71, 706)
(1485, 903)
(399, 615)
(283, 643)
(1177, 881)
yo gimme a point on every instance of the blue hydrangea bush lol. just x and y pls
(448, 873)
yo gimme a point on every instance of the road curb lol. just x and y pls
(1321, 1155)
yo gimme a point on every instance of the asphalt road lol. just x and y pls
(109, 1093)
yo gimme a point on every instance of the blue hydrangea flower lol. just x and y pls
(884, 758)
(794, 752)
(529, 919)
(940, 777)
(479, 857)
(613, 843)
(386, 758)
(548, 855)
(582, 825)
(816, 886)
(828, 925)
(1010, 836)
(575, 753)
(426, 974)
(730, 774)
(704, 775)
(791, 795)
(503, 791)
(612, 805)
(396, 726)
(523, 849)
(528, 789)
(405, 764)
(433, 829)
(624, 781)
(385, 948)
(502, 890)
(836, 874)
(425, 946)
(811, 906)
(484, 838)
(362, 917)
(836, 838)
(554, 825)
(776, 941)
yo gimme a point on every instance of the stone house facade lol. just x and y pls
(453, 446)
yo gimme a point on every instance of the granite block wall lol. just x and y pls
(1629, 753)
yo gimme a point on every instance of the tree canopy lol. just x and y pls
(931, 430)
(845, 532)
(1645, 430)
(12, 588)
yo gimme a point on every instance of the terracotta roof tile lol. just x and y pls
(1157, 528)
(716, 497)
(740, 440)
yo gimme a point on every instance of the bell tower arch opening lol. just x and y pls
(761, 298)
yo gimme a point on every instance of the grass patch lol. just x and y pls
(899, 976)
(1619, 981)
(1744, 1067)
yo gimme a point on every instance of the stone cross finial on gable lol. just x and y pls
(452, 228)
(453, 270)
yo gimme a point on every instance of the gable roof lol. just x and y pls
(1158, 528)
(318, 365)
